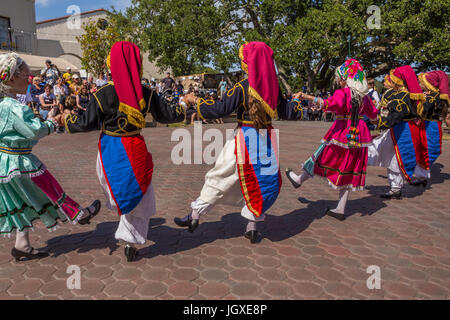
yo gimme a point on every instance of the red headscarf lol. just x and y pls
(257, 62)
(125, 63)
(405, 76)
(437, 81)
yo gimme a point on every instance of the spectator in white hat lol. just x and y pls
(75, 86)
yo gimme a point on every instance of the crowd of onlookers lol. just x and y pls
(53, 91)
(176, 91)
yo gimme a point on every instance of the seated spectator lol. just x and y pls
(68, 105)
(35, 91)
(47, 101)
(68, 76)
(60, 90)
(90, 82)
(101, 80)
(75, 86)
(83, 100)
(93, 88)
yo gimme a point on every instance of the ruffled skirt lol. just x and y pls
(24, 200)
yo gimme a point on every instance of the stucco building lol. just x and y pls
(18, 33)
(18, 26)
(57, 38)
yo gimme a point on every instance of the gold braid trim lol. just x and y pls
(396, 79)
(199, 102)
(241, 56)
(417, 96)
(272, 113)
(423, 77)
(134, 116)
(70, 118)
(420, 109)
(444, 96)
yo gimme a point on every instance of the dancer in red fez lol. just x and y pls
(435, 87)
(124, 166)
(247, 167)
(403, 148)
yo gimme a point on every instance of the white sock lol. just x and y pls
(343, 197)
(251, 226)
(23, 242)
(301, 178)
(295, 177)
(195, 215)
(84, 213)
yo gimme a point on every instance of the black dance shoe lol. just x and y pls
(294, 184)
(339, 216)
(131, 253)
(252, 235)
(29, 255)
(392, 195)
(419, 183)
(192, 224)
(87, 220)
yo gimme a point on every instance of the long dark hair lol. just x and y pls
(355, 111)
(257, 113)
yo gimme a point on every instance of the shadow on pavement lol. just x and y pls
(169, 240)
(100, 238)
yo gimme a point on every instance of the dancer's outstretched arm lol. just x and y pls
(87, 122)
(289, 110)
(210, 109)
(162, 109)
(400, 109)
(28, 126)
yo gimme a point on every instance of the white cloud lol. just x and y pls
(42, 3)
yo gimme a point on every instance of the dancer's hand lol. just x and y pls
(298, 95)
(375, 121)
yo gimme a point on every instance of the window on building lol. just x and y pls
(5, 34)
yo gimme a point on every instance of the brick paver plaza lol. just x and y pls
(304, 254)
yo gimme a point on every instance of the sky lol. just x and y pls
(49, 9)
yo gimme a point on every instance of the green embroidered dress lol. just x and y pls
(26, 187)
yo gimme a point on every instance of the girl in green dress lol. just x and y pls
(28, 192)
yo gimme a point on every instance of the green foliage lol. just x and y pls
(96, 45)
(310, 38)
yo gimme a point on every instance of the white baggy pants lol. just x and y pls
(133, 226)
(222, 185)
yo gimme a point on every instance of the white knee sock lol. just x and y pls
(299, 179)
(195, 215)
(23, 241)
(343, 197)
(251, 226)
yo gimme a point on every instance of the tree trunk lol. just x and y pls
(283, 78)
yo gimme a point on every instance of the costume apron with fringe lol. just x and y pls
(258, 168)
